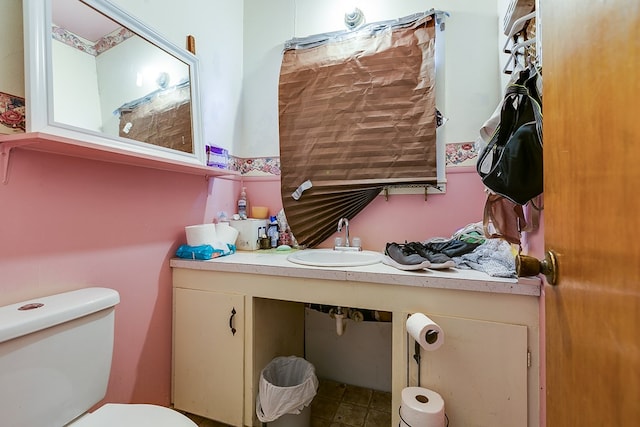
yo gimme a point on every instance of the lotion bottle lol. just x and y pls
(242, 204)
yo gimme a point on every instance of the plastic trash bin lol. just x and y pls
(287, 387)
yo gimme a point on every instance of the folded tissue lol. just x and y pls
(205, 251)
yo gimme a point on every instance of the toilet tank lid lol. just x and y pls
(41, 313)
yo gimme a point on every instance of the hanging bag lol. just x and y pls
(503, 219)
(511, 164)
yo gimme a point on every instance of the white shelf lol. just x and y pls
(74, 148)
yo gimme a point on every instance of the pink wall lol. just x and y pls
(68, 223)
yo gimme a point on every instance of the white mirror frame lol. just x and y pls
(39, 84)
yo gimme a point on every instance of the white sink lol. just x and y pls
(332, 258)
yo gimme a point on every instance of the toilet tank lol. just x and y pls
(55, 356)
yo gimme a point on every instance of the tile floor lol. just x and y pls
(339, 405)
(342, 405)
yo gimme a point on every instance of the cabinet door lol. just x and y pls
(480, 371)
(208, 357)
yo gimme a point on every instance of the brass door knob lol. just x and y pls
(529, 266)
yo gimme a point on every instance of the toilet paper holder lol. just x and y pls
(431, 336)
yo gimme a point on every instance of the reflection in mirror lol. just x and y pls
(106, 78)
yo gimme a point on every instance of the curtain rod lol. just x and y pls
(370, 29)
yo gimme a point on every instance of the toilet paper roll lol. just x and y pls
(421, 407)
(425, 331)
(226, 233)
(202, 234)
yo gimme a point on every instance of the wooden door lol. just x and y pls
(591, 67)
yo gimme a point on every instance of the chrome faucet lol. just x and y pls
(345, 222)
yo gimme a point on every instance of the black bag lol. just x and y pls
(511, 163)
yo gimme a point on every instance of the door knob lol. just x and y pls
(529, 266)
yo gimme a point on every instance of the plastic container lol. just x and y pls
(287, 387)
(259, 212)
(249, 233)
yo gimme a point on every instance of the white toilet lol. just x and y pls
(55, 359)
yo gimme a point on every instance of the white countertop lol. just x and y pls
(275, 263)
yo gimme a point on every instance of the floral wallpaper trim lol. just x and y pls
(461, 154)
(105, 43)
(457, 154)
(262, 165)
(12, 112)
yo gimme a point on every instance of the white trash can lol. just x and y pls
(287, 387)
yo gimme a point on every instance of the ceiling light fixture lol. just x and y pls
(353, 18)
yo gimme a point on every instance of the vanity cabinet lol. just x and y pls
(487, 370)
(208, 354)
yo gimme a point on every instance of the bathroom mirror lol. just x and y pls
(96, 74)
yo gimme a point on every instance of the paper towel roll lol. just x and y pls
(226, 233)
(202, 234)
(425, 331)
(421, 407)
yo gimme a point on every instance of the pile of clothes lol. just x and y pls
(465, 249)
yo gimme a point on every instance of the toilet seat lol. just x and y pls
(133, 415)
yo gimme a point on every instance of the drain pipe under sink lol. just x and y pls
(339, 316)
(342, 315)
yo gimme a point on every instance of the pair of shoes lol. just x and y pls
(438, 260)
(452, 248)
(404, 257)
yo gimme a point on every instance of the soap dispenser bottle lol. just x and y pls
(242, 204)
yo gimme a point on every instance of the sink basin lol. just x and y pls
(331, 258)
